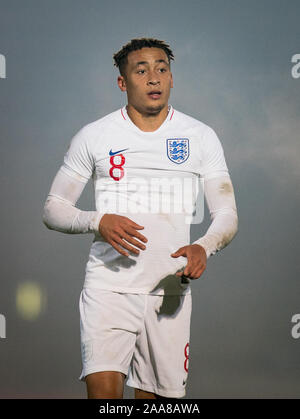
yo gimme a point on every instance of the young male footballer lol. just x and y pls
(135, 305)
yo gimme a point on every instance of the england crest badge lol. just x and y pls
(178, 149)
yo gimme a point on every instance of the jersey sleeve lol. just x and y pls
(212, 156)
(220, 198)
(79, 156)
(60, 213)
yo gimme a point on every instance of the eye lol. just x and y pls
(139, 71)
(163, 69)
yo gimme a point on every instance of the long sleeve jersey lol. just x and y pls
(159, 180)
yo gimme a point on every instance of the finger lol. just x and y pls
(199, 270)
(131, 240)
(179, 252)
(194, 273)
(133, 224)
(118, 248)
(136, 234)
(180, 273)
(125, 244)
(187, 270)
(199, 274)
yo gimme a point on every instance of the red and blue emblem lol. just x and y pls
(178, 149)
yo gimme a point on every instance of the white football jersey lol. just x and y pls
(152, 178)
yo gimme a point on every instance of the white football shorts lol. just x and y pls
(144, 336)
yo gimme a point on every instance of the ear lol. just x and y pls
(122, 83)
(171, 80)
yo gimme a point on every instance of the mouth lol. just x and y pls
(154, 94)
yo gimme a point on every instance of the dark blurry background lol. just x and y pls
(233, 71)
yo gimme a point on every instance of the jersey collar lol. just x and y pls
(126, 118)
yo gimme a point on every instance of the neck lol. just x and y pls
(147, 121)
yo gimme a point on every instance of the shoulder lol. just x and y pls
(189, 122)
(93, 128)
(207, 136)
(89, 133)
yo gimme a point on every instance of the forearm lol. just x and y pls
(61, 215)
(220, 233)
(220, 198)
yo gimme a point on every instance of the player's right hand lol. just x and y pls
(119, 231)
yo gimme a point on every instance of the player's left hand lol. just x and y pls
(196, 260)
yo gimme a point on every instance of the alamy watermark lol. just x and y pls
(161, 195)
(2, 326)
(296, 328)
(2, 67)
(296, 68)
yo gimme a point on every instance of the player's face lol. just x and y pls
(148, 80)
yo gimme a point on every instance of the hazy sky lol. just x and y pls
(232, 70)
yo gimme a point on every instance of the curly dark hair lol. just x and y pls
(120, 57)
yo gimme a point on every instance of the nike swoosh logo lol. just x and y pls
(113, 153)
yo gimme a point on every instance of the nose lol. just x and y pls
(153, 82)
(153, 78)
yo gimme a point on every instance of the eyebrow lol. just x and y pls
(146, 62)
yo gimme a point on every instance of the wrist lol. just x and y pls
(201, 242)
(95, 222)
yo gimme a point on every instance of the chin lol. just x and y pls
(154, 109)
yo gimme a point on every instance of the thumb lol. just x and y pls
(179, 252)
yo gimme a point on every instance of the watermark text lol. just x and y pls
(2, 67)
(2, 326)
(296, 68)
(296, 328)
